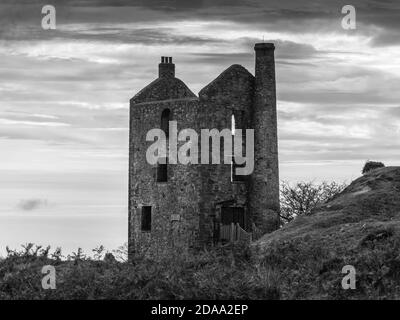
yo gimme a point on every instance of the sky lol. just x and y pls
(64, 97)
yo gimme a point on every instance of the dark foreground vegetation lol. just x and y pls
(224, 273)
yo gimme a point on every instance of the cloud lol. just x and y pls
(68, 89)
(32, 204)
(100, 128)
(106, 20)
(333, 132)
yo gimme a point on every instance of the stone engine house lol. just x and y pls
(186, 205)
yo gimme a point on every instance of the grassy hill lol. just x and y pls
(359, 227)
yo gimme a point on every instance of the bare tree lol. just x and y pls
(303, 197)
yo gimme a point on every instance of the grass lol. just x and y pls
(359, 227)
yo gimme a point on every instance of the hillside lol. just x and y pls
(359, 227)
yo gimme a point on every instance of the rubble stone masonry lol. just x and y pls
(186, 209)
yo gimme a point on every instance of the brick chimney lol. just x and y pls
(166, 69)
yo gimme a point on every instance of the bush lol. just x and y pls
(371, 165)
(303, 197)
(219, 273)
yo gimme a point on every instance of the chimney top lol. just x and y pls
(166, 69)
(264, 46)
(166, 59)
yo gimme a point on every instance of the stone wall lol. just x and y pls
(175, 204)
(264, 186)
(230, 93)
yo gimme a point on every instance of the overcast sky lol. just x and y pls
(64, 97)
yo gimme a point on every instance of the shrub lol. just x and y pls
(371, 165)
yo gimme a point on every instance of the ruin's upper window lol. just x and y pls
(165, 118)
(237, 124)
(146, 218)
(162, 170)
(162, 166)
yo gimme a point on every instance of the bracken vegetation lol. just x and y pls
(223, 273)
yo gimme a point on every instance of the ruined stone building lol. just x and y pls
(185, 205)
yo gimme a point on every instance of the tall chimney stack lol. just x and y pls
(166, 69)
(264, 181)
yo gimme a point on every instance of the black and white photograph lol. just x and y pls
(220, 151)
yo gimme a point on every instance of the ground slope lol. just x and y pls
(359, 227)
